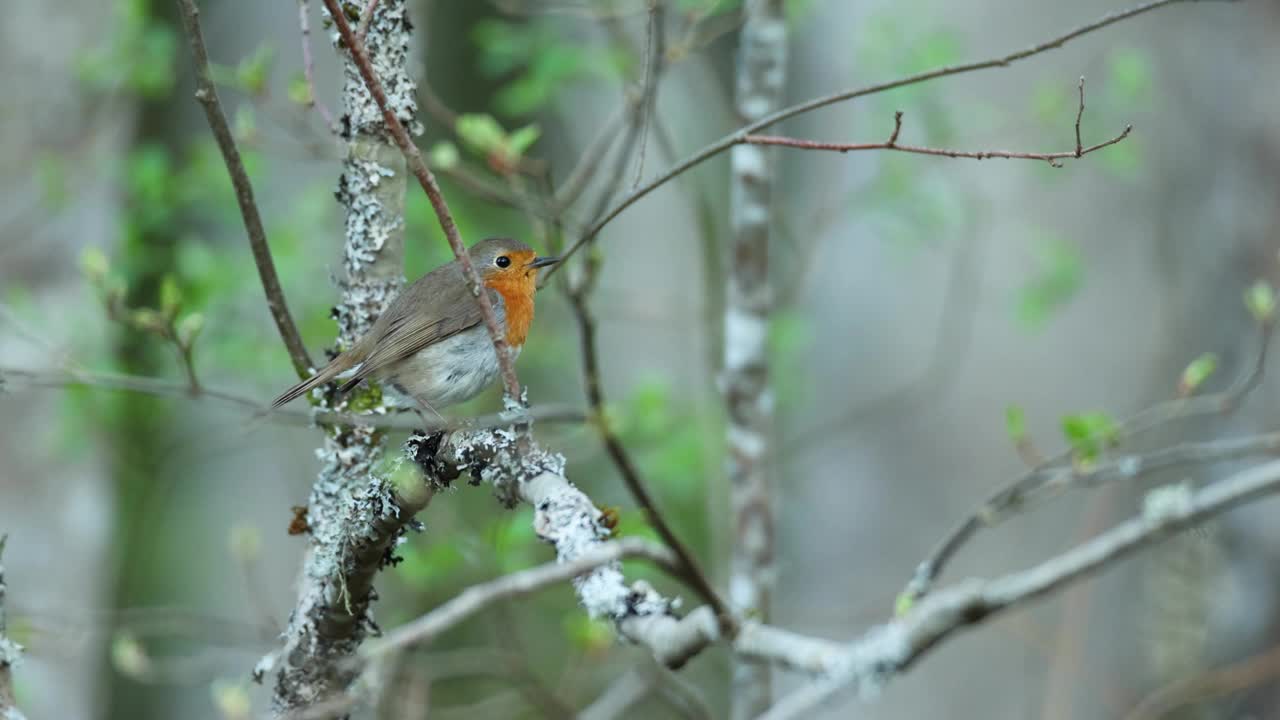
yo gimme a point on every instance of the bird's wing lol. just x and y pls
(402, 336)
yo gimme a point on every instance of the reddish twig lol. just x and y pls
(1053, 158)
(308, 65)
(207, 94)
(413, 157)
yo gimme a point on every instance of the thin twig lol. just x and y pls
(736, 137)
(207, 94)
(413, 157)
(478, 597)
(889, 649)
(17, 378)
(655, 47)
(308, 65)
(1053, 158)
(1080, 151)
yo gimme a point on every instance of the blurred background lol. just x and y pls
(919, 298)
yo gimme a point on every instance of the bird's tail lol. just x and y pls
(336, 367)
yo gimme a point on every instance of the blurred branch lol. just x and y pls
(578, 291)
(75, 377)
(1053, 158)
(413, 157)
(308, 65)
(1247, 673)
(1061, 471)
(478, 597)
(655, 50)
(207, 94)
(745, 378)
(738, 136)
(887, 650)
(10, 654)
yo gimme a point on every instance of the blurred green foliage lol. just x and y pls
(1056, 282)
(538, 60)
(138, 57)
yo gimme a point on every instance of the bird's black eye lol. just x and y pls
(502, 261)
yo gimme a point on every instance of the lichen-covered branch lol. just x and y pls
(10, 655)
(748, 395)
(356, 511)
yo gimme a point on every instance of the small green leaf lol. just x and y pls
(1058, 280)
(481, 132)
(903, 604)
(94, 263)
(299, 91)
(1090, 433)
(170, 296)
(1196, 373)
(444, 155)
(189, 329)
(1015, 423)
(520, 140)
(1260, 298)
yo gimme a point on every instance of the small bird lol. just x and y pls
(431, 343)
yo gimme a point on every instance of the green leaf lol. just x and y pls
(94, 263)
(189, 328)
(252, 72)
(443, 155)
(481, 132)
(1090, 433)
(520, 140)
(170, 296)
(1015, 423)
(1196, 373)
(299, 91)
(1260, 298)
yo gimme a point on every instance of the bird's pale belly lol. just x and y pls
(448, 372)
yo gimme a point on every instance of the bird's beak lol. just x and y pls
(543, 262)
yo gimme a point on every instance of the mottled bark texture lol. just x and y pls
(355, 512)
(748, 395)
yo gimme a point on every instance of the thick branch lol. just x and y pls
(736, 137)
(207, 94)
(419, 168)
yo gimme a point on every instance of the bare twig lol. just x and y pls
(207, 94)
(1060, 471)
(655, 47)
(478, 597)
(1053, 158)
(891, 648)
(366, 18)
(736, 137)
(429, 185)
(308, 64)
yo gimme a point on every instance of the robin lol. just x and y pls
(431, 343)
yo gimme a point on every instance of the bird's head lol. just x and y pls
(507, 262)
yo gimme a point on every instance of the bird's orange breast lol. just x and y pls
(517, 297)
